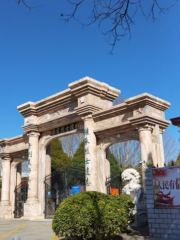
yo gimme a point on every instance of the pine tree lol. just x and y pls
(79, 161)
(58, 157)
(79, 157)
(115, 171)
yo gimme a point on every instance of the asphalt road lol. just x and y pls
(41, 230)
(26, 230)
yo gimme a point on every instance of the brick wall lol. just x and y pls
(163, 223)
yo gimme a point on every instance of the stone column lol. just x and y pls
(48, 160)
(146, 148)
(103, 167)
(13, 182)
(32, 207)
(18, 177)
(5, 192)
(90, 154)
(48, 163)
(161, 146)
(33, 160)
(5, 205)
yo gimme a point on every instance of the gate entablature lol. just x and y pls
(126, 118)
(83, 97)
(15, 147)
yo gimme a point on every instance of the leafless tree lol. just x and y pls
(171, 148)
(113, 17)
(127, 153)
(71, 143)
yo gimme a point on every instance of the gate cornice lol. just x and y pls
(129, 116)
(14, 147)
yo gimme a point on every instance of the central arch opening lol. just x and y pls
(65, 171)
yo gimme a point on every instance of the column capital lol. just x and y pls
(33, 134)
(145, 127)
(6, 158)
(161, 131)
(87, 118)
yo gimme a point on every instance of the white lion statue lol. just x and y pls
(132, 187)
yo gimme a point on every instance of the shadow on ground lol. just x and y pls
(133, 234)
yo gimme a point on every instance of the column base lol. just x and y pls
(5, 211)
(4, 203)
(32, 211)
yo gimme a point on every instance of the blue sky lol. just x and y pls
(40, 55)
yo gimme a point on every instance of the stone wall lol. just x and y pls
(163, 223)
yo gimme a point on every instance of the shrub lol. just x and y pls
(92, 216)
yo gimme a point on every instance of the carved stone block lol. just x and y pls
(5, 212)
(32, 210)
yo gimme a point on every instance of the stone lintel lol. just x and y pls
(147, 99)
(113, 111)
(45, 105)
(15, 154)
(149, 120)
(76, 89)
(87, 109)
(14, 147)
(30, 128)
(14, 140)
(89, 85)
(48, 124)
(121, 128)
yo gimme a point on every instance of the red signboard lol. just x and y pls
(166, 187)
(114, 191)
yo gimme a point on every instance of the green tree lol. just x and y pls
(79, 161)
(115, 171)
(79, 157)
(58, 157)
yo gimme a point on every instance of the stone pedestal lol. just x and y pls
(32, 211)
(5, 211)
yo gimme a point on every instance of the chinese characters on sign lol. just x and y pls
(87, 156)
(166, 187)
(66, 128)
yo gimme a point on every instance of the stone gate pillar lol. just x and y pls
(18, 177)
(5, 194)
(161, 146)
(90, 154)
(32, 207)
(5, 207)
(48, 163)
(146, 147)
(33, 160)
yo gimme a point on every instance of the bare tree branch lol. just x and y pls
(114, 18)
(26, 5)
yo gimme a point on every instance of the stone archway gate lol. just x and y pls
(85, 107)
